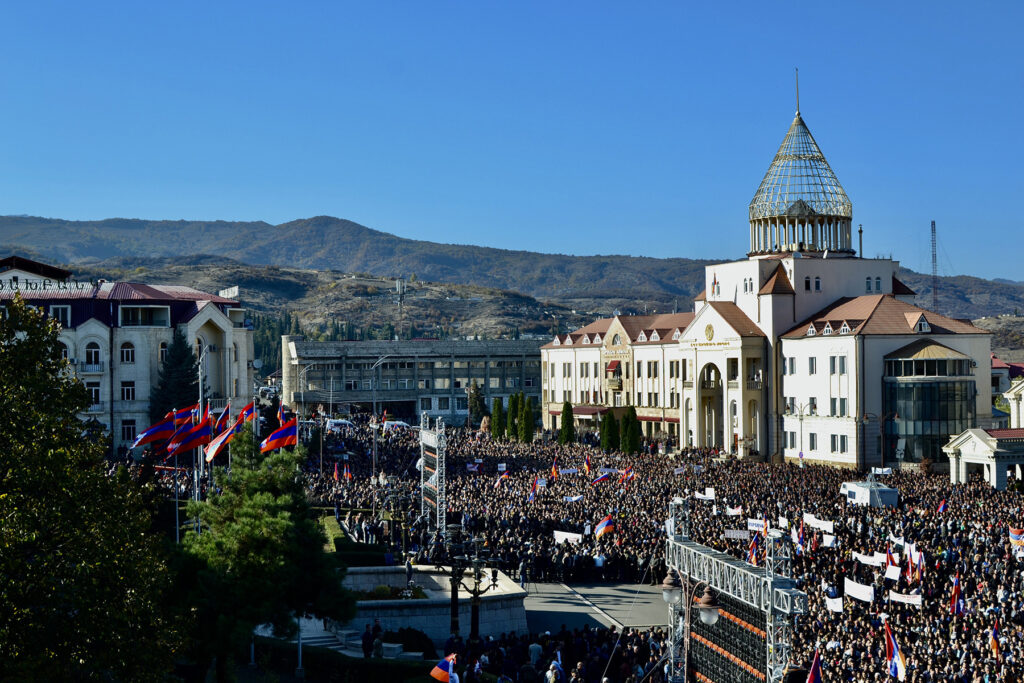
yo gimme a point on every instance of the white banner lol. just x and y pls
(561, 536)
(881, 470)
(609, 469)
(701, 496)
(859, 591)
(542, 482)
(869, 559)
(783, 522)
(733, 512)
(880, 558)
(586, 529)
(895, 541)
(501, 467)
(892, 572)
(472, 467)
(697, 469)
(737, 533)
(828, 540)
(811, 520)
(710, 492)
(568, 470)
(679, 470)
(572, 499)
(755, 524)
(834, 604)
(914, 600)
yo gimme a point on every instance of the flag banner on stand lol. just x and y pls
(859, 590)
(912, 599)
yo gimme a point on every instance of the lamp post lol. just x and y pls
(302, 387)
(808, 409)
(457, 548)
(672, 591)
(882, 419)
(373, 389)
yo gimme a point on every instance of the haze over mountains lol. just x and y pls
(326, 243)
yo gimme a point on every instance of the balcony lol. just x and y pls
(614, 384)
(733, 384)
(711, 385)
(688, 384)
(95, 407)
(754, 385)
(90, 368)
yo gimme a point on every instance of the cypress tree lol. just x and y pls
(497, 420)
(567, 432)
(634, 436)
(177, 384)
(512, 422)
(613, 432)
(526, 420)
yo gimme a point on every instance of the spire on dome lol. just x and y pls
(800, 204)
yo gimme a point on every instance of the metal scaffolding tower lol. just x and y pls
(433, 446)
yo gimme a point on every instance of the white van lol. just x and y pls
(395, 424)
(338, 425)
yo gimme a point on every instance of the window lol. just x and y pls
(616, 340)
(785, 366)
(351, 385)
(812, 405)
(639, 369)
(367, 385)
(833, 407)
(812, 441)
(867, 288)
(812, 365)
(817, 284)
(63, 351)
(566, 396)
(842, 407)
(127, 391)
(94, 392)
(842, 443)
(426, 403)
(878, 288)
(128, 430)
(424, 384)
(127, 352)
(792, 366)
(552, 370)
(62, 314)
(92, 353)
(527, 382)
(566, 369)
(834, 443)
(461, 403)
(234, 354)
(404, 383)
(145, 316)
(494, 383)
(831, 365)
(583, 369)
(842, 365)
(444, 403)
(639, 399)
(652, 369)
(807, 284)
(163, 351)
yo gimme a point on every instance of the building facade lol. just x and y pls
(114, 336)
(803, 350)
(406, 378)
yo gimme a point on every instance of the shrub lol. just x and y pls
(412, 640)
(326, 665)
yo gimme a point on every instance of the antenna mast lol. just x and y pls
(935, 272)
(798, 92)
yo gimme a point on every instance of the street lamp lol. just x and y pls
(373, 389)
(457, 548)
(811, 408)
(881, 434)
(708, 610)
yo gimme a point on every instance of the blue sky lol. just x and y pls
(571, 127)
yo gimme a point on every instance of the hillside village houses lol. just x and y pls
(803, 349)
(115, 334)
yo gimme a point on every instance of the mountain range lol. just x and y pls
(589, 283)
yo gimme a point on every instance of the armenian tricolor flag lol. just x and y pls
(161, 431)
(443, 670)
(196, 436)
(280, 414)
(185, 415)
(627, 474)
(335, 471)
(896, 663)
(994, 639)
(502, 479)
(222, 421)
(1016, 536)
(943, 506)
(248, 413)
(586, 464)
(752, 550)
(604, 477)
(348, 473)
(605, 526)
(223, 440)
(554, 470)
(287, 435)
(533, 491)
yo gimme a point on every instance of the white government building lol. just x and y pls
(804, 347)
(115, 335)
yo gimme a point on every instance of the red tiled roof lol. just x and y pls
(998, 364)
(881, 314)
(34, 267)
(702, 296)
(1006, 433)
(778, 283)
(736, 318)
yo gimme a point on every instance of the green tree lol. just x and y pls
(567, 430)
(609, 432)
(512, 422)
(82, 575)
(477, 403)
(625, 439)
(177, 384)
(527, 420)
(497, 420)
(260, 556)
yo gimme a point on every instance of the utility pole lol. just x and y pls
(935, 273)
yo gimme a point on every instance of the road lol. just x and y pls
(549, 605)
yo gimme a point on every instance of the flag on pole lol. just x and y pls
(1016, 537)
(994, 638)
(814, 674)
(956, 602)
(605, 526)
(800, 540)
(248, 412)
(627, 475)
(443, 670)
(533, 491)
(287, 435)
(896, 663)
(604, 477)
(222, 421)
(348, 473)
(502, 479)
(890, 559)
(752, 550)
(218, 443)
(184, 415)
(198, 435)
(554, 469)
(943, 506)
(335, 471)
(280, 413)
(586, 464)
(161, 431)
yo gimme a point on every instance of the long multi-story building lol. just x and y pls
(115, 335)
(804, 349)
(406, 378)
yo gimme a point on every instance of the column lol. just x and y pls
(954, 468)
(998, 475)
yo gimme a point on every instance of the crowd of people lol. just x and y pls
(950, 531)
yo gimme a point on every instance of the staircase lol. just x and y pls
(346, 641)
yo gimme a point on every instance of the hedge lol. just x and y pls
(322, 664)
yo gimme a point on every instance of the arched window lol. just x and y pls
(878, 284)
(867, 284)
(64, 353)
(807, 284)
(616, 340)
(92, 353)
(163, 351)
(817, 284)
(127, 352)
